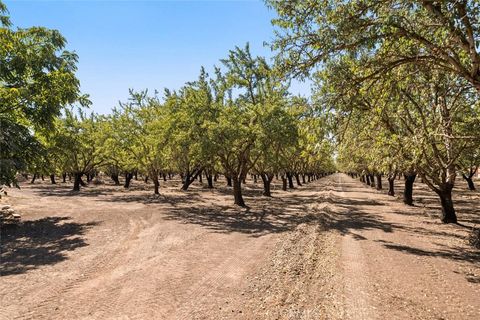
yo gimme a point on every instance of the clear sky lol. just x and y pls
(148, 44)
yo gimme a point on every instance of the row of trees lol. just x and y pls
(401, 80)
(241, 121)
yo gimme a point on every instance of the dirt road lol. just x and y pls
(332, 249)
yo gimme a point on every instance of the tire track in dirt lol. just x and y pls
(102, 264)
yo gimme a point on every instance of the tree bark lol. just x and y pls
(372, 181)
(408, 192)
(267, 180)
(471, 185)
(156, 184)
(114, 177)
(448, 211)
(189, 178)
(77, 181)
(290, 181)
(379, 182)
(237, 192)
(209, 181)
(391, 185)
(52, 179)
(297, 177)
(128, 178)
(284, 183)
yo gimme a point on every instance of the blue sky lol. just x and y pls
(148, 44)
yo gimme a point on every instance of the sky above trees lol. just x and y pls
(148, 44)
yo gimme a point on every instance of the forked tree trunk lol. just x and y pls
(52, 179)
(471, 185)
(267, 180)
(237, 192)
(391, 185)
(379, 182)
(189, 178)
(448, 211)
(408, 191)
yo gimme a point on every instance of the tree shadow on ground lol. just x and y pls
(31, 244)
(453, 253)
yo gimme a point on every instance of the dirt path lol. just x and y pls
(374, 258)
(330, 250)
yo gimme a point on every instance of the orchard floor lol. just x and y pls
(331, 249)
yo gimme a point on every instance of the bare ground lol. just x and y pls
(333, 249)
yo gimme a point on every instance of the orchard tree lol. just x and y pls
(392, 33)
(37, 80)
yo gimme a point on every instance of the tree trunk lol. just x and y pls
(284, 183)
(297, 177)
(189, 178)
(128, 178)
(114, 177)
(209, 181)
(52, 179)
(33, 178)
(379, 182)
(408, 192)
(448, 211)
(164, 177)
(215, 177)
(303, 179)
(156, 183)
(471, 185)
(229, 181)
(267, 180)
(64, 177)
(237, 192)
(43, 178)
(367, 178)
(146, 179)
(290, 181)
(372, 181)
(77, 181)
(254, 178)
(391, 185)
